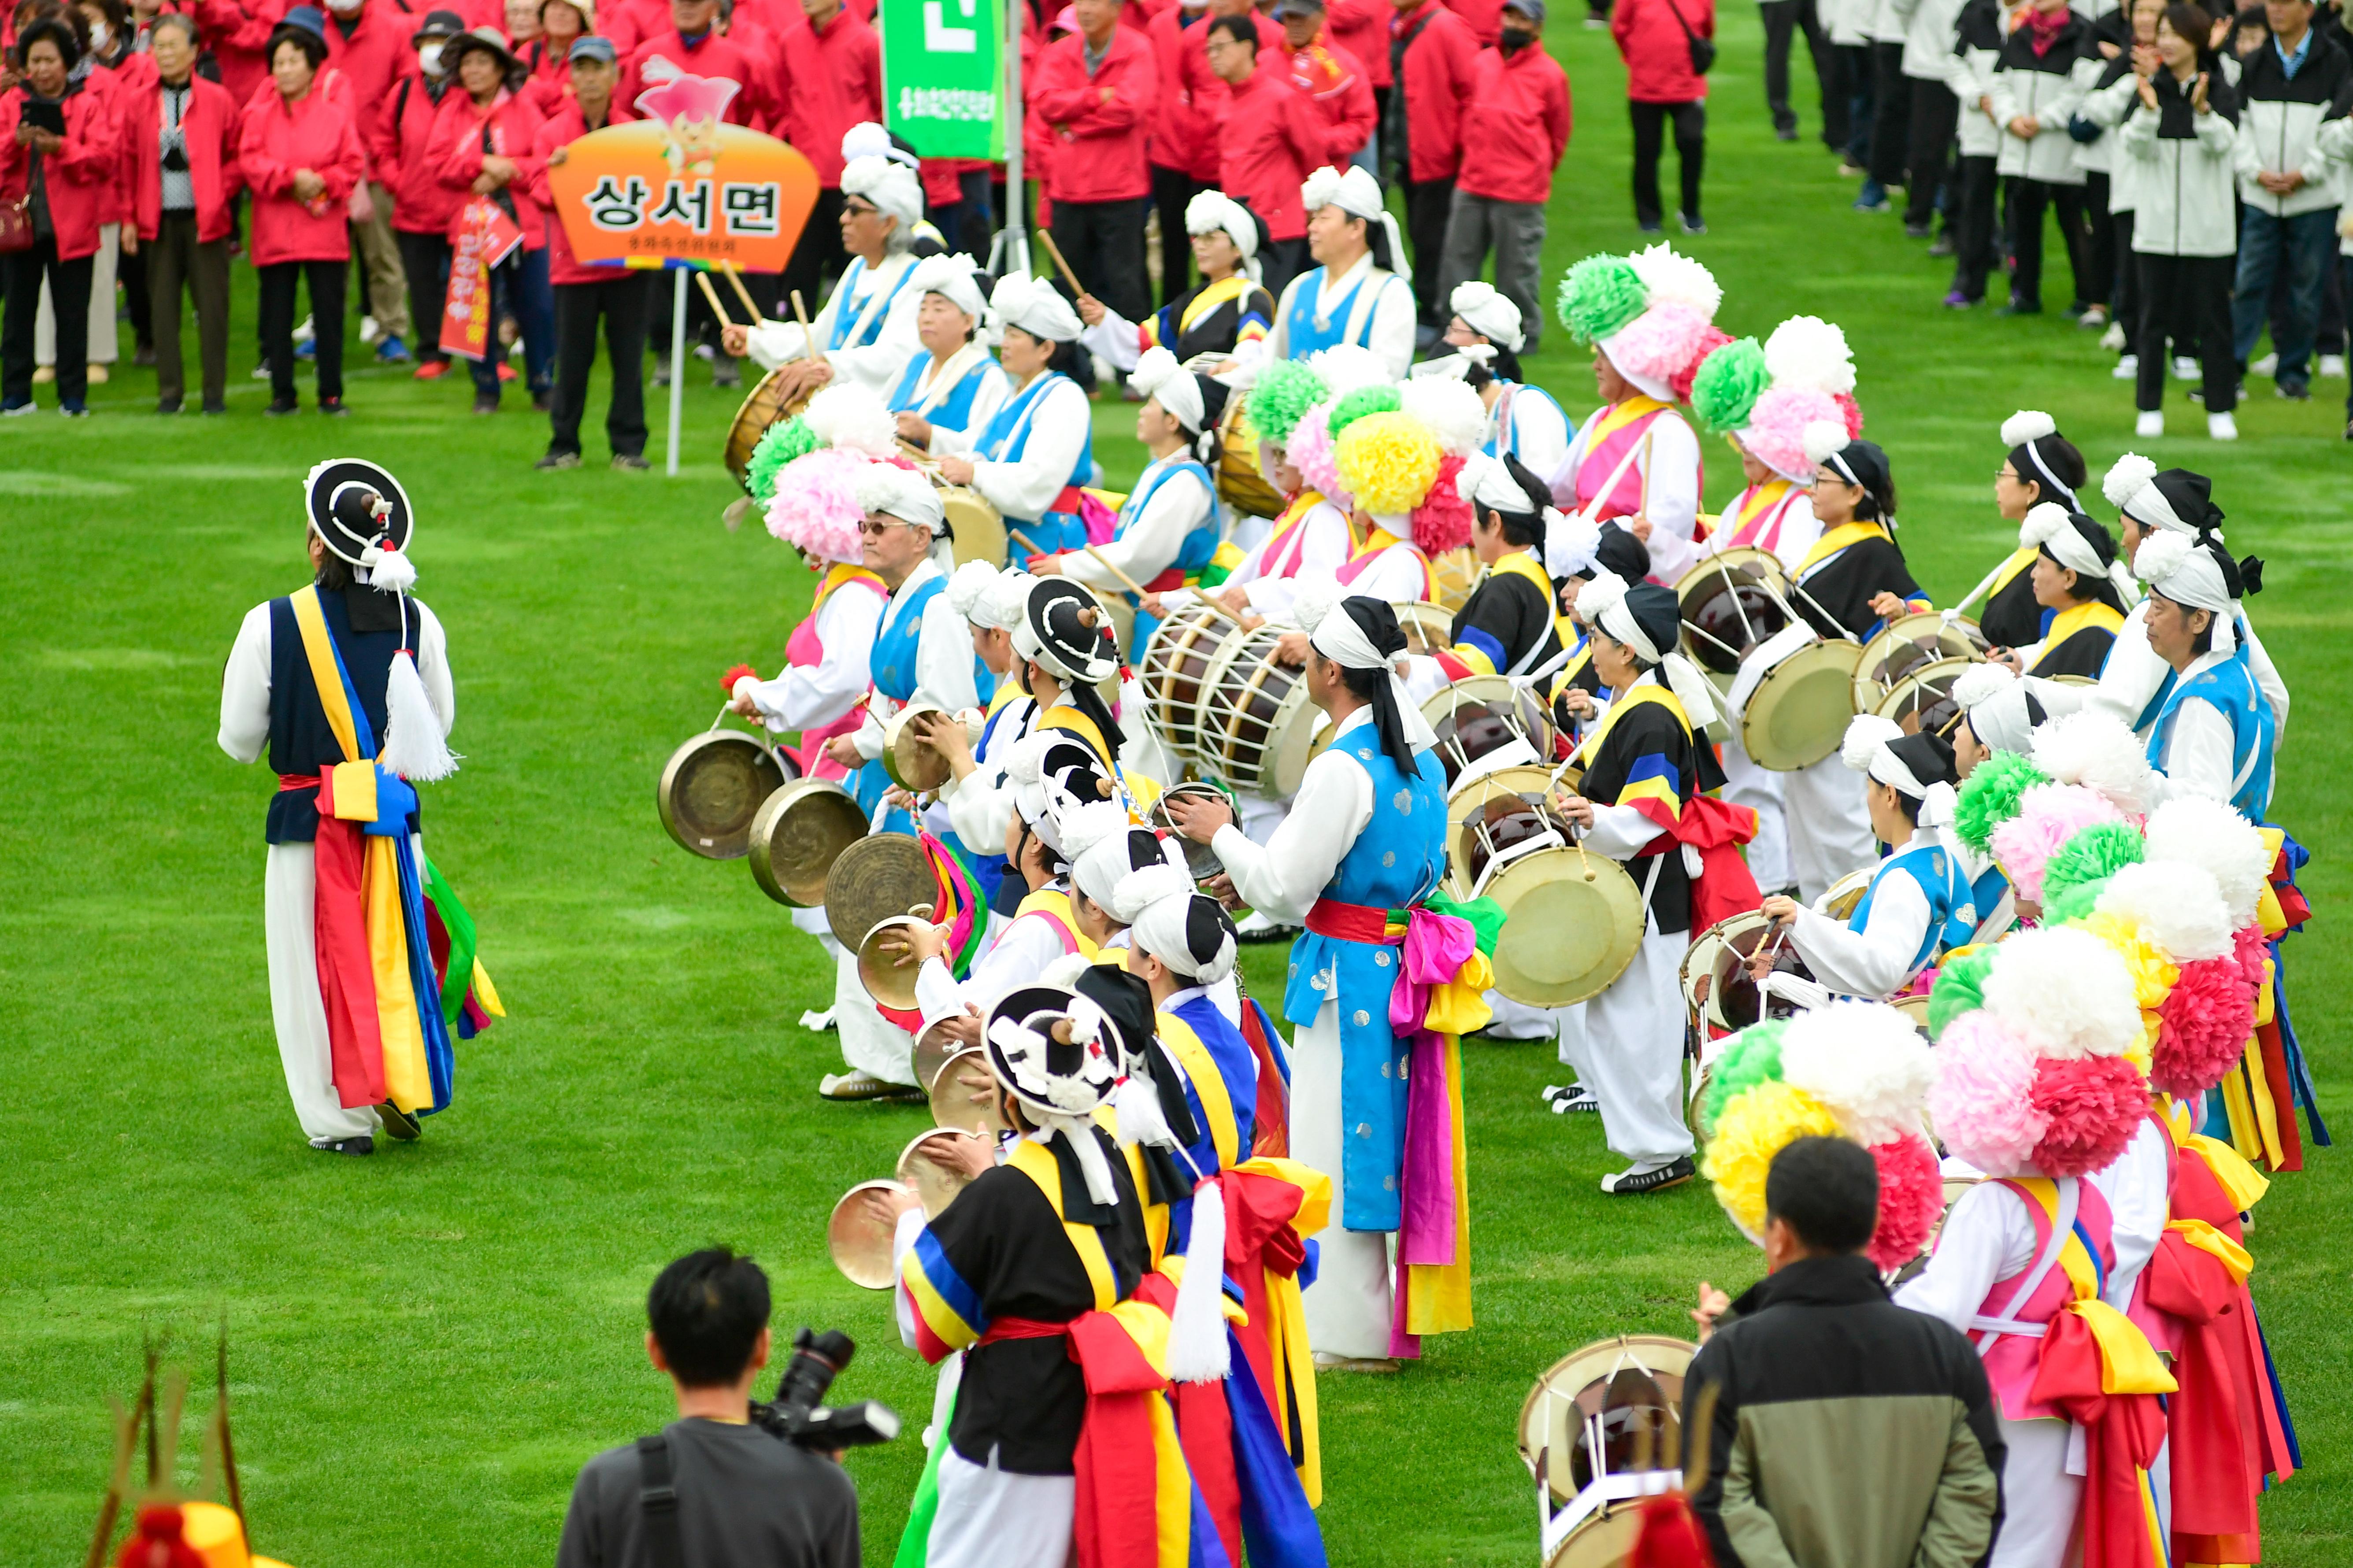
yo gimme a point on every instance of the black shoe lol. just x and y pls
(2294, 392)
(2015, 309)
(280, 405)
(559, 460)
(1624, 1182)
(360, 1145)
(1917, 231)
(168, 405)
(400, 1123)
(629, 461)
(1786, 133)
(544, 398)
(215, 408)
(145, 357)
(1651, 228)
(333, 407)
(1576, 1099)
(2348, 429)
(486, 403)
(1692, 224)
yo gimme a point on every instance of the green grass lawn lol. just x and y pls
(428, 1345)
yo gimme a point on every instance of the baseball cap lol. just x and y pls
(592, 48)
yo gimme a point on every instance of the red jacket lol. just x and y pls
(1485, 17)
(1362, 28)
(208, 122)
(565, 126)
(80, 177)
(1178, 126)
(1270, 137)
(1333, 80)
(117, 84)
(1207, 91)
(238, 32)
(1099, 143)
(456, 151)
(274, 139)
(755, 105)
(836, 82)
(421, 202)
(1513, 144)
(374, 55)
(1657, 54)
(1439, 52)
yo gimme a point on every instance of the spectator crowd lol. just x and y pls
(2197, 165)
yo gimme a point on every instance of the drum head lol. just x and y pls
(1254, 727)
(1712, 966)
(979, 527)
(1924, 699)
(1799, 713)
(1905, 645)
(859, 1234)
(1574, 922)
(923, 1167)
(764, 406)
(1470, 799)
(799, 832)
(1914, 1008)
(1427, 626)
(1604, 1540)
(1574, 1388)
(963, 1095)
(1735, 1002)
(1484, 717)
(1731, 603)
(874, 879)
(711, 788)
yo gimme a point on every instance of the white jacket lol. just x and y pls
(2106, 106)
(1928, 38)
(2098, 155)
(2044, 89)
(2279, 119)
(2334, 141)
(1848, 22)
(1968, 71)
(2185, 185)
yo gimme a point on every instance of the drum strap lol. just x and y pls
(658, 1498)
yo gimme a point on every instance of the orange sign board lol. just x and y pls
(687, 187)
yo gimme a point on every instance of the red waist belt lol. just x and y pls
(1003, 1329)
(297, 781)
(1351, 922)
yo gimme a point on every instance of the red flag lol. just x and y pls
(481, 236)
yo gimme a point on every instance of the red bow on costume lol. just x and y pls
(2122, 1436)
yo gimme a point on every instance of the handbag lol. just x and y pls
(16, 225)
(1702, 50)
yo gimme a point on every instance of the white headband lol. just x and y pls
(2048, 527)
(2184, 570)
(902, 493)
(1357, 193)
(1210, 211)
(1035, 307)
(1332, 632)
(2026, 427)
(989, 597)
(1602, 603)
(891, 186)
(1164, 928)
(1159, 374)
(1488, 313)
(1865, 749)
(952, 279)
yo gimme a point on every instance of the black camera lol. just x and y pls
(798, 1417)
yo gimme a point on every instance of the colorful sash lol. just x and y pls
(1758, 512)
(806, 650)
(1284, 546)
(2089, 614)
(1615, 429)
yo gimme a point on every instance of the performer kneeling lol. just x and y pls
(1919, 902)
(1642, 770)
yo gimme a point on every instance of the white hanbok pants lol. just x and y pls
(289, 901)
(990, 1518)
(1761, 790)
(1349, 1307)
(1631, 1054)
(870, 1042)
(1829, 825)
(2039, 1498)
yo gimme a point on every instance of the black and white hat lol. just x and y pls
(361, 515)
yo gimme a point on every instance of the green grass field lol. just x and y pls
(428, 1345)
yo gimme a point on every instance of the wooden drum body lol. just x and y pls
(1907, 646)
(1244, 488)
(1486, 722)
(1255, 726)
(1175, 669)
(765, 406)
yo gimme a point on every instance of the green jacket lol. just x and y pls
(1847, 1431)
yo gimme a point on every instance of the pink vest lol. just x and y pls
(1281, 558)
(1762, 531)
(804, 650)
(2011, 1358)
(1601, 459)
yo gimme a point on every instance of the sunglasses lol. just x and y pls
(876, 526)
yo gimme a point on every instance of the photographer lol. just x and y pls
(743, 1495)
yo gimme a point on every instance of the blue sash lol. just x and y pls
(1301, 335)
(953, 412)
(2230, 688)
(1194, 552)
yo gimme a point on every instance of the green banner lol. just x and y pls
(942, 75)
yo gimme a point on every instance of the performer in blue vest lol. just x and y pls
(953, 381)
(977, 795)
(866, 328)
(1366, 835)
(1525, 421)
(316, 677)
(1362, 291)
(2214, 732)
(1168, 530)
(1920, 902)
(1035, 452)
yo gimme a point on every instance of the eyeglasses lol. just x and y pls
(861, 209)
(2006, 472)
(876, 526)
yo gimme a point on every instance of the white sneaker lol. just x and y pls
(2114, 338)
(2267, 365)
(2221, 427)
(2151, 423)
(369, 330)
(2185, 368)
(2127, 367)
(305, 330)
(2332, 366)
(1257, 924)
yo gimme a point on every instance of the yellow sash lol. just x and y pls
(1055, 902)
(1212, 296)
(1208, 1083)
(1037, 1161)
(1618, 415)
(1635, 697)
(1286, 1325)
(2074, 618)
(1755, 502)
(842, 574)
(2018, 561)
(2128, 1362)
(409, 1084)
(1838, 538)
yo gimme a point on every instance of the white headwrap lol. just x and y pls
(1035, 306)
(1107, 849)
(989, 597)
(1570, 543)
(2026, 427)
(1064, 1104)
(952, 279)
(1864, 749)
(1488, 313)
(1995, 700)
(892, 186)
(1333, 633)
(1159, 375)
(1602, 603)
(1357, 193)
(2185, 570)
(1171, 921)
(2049, 526)
(1210, 211)
(902, 493)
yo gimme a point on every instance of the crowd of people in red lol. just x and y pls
(145, 146)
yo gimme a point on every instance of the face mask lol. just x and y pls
(99, 36)
(1514, 41)
(429, 57)
(346, 8)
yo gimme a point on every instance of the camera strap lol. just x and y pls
(658, 1498)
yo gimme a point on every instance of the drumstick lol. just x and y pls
(923, 459)
(704, 280)
(809, 337)
(1586, 512)
(742, 293)
(1046, 238)
(1103, 561)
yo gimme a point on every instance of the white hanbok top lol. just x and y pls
(245, 681)
(866, 294)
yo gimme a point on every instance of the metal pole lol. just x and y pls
(677, 360)
(1017, 220)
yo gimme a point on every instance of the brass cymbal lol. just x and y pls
(889, 977)
(857, 1234)
(935, 1179)
(963, 1095)
(874, 879)
(795, 837)
(712, 787)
